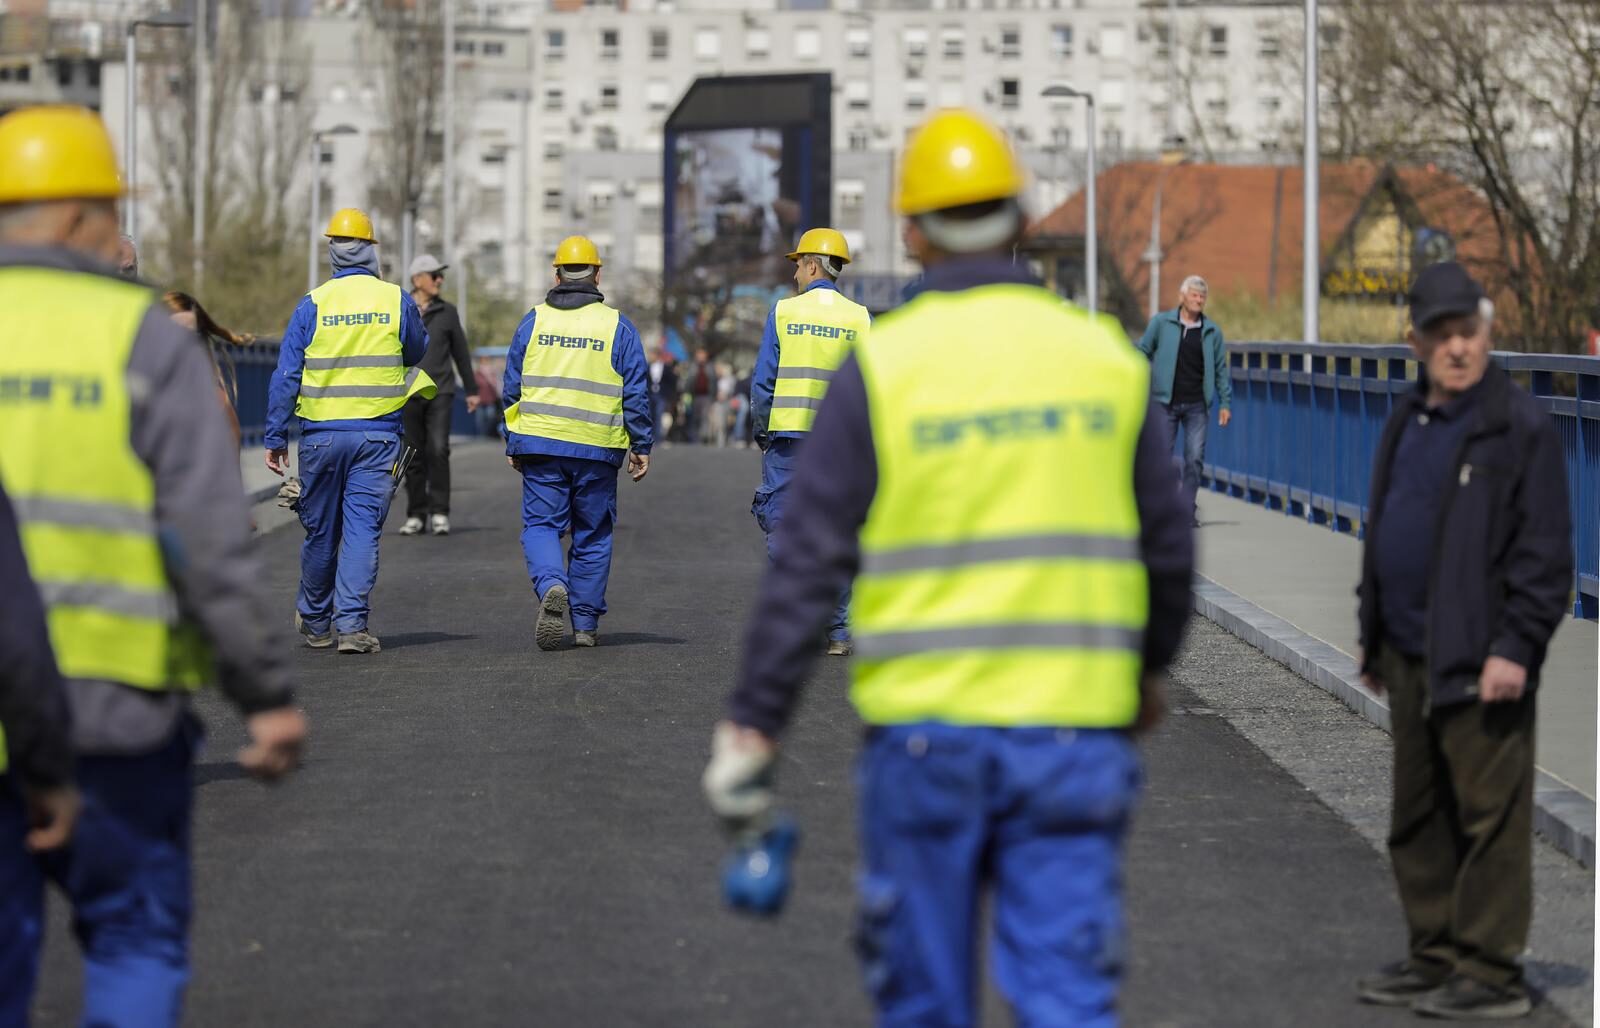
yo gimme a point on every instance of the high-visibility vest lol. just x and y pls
(85, 502)
(1001, 581)
(570, 391)
(354, 365)
(816, 330)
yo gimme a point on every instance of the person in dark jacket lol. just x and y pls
(427, 420)
(1188, 375)
(1466, 573)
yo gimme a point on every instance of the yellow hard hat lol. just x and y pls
(56, 152)
(577, 250)
(350, 223)
(956, 158)
(827, 242)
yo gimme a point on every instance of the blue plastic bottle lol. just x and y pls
(755, 878)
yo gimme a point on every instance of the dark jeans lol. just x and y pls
(1192, 418)
(427, 424)
(1461, 832)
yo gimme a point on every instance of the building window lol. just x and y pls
(1270, 105)
(325, 154)
(707, 44)
(466, 46)
(555, 44)
(554, 98)
(552, 149)
(1113, 94)
(605, 137)
(1217, 40)
(916, 95)
(1060, 41)
(658, 44)
(852, 193)
(858, 94)
(1011, 42)
(807, 44)
(64, 72)
(952, 44)
(1163, 42)
(859, 42)
(1332, 35)
(952, 93)
(494, 49)
(610, 44)
(1269, 46)
(758, 42)
(1111, 139)
(657, 95)
(1217, 107)
(916, 42)
(1010, 93)
(552, 199)
(1113, 42)
(1061, 137)
(608, 97)
(602, 195)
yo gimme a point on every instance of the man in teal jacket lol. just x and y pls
(1189, 372)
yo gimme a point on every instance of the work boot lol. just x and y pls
(358, 642)
(313, 640)
(441, 524)
(1467, 999)
(588, 640)
(1401, 984)
(551, 627)
(413, 526)
(838, 647)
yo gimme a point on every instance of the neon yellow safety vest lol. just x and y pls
(354, 364)
(570, 391)
(815, 332)
(1001, 581)
(84, 500)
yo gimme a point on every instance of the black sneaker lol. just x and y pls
(1467, 999)
(551, 627)
(1400, 984)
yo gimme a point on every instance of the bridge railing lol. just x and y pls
(1309, 416)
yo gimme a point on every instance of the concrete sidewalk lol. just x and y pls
(1307, 576)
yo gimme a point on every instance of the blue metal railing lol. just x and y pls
(1309, 418)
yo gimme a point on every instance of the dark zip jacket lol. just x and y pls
(1501, 571)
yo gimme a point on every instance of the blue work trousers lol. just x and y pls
(777, 469)
(1192, 419)
(346, 482)
(126, 874)
(1036, 816)
(561, 494)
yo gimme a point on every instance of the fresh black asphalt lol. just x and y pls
(486, 834)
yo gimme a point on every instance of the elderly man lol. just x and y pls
(125, 481)
(1189, 374)
(427, 419)
(1466, 572)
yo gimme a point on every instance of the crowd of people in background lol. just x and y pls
(705, 402)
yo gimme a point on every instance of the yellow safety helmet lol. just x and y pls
(56, 152)
(826, 242)
(577, 250)
(956, 158)
(350, 223)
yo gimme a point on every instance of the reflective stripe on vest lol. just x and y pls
(570, 390)
(84, 501)
(816, 330)
(354, 366)
(1001, 581)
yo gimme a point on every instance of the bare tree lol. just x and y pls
(406, 41)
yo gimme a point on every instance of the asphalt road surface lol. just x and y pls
(486, 834)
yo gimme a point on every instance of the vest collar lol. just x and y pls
(821, 283)
(959, 273)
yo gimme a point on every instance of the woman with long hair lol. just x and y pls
(186, 311)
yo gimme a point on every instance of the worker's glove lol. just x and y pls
(738, 781)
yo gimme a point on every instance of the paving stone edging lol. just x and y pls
(1562, 815)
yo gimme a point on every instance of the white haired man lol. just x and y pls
(1189, 373)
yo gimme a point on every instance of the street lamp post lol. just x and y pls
(1311, 255)
(316, 195)
(448, 205)
(164, 20)
(1091, 256)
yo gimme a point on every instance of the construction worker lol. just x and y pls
(806, 339)
(990, 470)
(125, 478)
(577, 401)
(342, 369)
